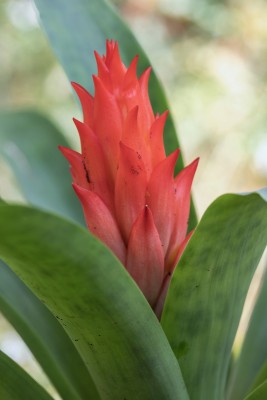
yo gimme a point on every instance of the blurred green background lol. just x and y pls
(210, 56)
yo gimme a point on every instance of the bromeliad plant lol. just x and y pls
(71, 296)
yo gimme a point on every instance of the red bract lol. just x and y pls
(125, 182)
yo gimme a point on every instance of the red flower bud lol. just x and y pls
(125, 182)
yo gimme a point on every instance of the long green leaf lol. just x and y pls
(45, 337)
(253, 354)
(260, 393)
(77, 28)
(29, 142)
(261, 377)
(97, 303)
(16, 384)
(208, 290)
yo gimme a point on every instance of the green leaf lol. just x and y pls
(29, 142)
(45, 337)
(260, 393)
(208, 290)
(97, 303)
(261, 376)
(16, 384)
(250, 362)
(77, 28)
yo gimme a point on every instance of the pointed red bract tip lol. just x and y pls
(100, 221)
(130, 77)
(76, 166)
(130, 187)
(86, 101)
(145, 259)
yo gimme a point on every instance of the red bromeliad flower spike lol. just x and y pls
(124, 180)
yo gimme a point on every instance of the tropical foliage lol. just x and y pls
(73, 303)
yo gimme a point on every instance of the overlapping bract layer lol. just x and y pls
(125, 182)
